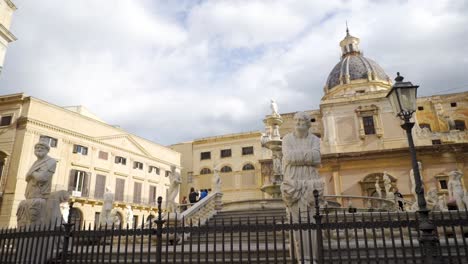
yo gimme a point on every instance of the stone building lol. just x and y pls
(6, 12)
(360, 136)
(91, 155)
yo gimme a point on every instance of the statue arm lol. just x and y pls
(313, 155)
(45, 172)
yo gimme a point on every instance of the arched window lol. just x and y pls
(226, 169)
(248, 166)
(205, 171)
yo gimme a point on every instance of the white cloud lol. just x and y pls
(173, 72)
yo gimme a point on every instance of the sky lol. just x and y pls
(173, 71)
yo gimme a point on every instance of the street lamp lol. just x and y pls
(402, 97)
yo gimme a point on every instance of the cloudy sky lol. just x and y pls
(172, 71)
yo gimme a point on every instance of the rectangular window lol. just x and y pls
(79, 183)
(205, 155)
(453, 104)
(96, 218)
(443, 184)
(103, 155)
(120, 160)
(153, 169)
(52, 142)
(137, 192)
(100, 186)
(436, 142)
(368, 122)
(247, 150)
(119, 189)
(420, 108)
(460, 125)
(226, 153)
(6, 120)
(80, 150)
(137, 165)
(152, 194)
(167, 173)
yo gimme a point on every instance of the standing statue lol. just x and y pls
(274, 108)
(442, 203)
(277, 167)
(455, 189)
(301, 156)
(377, 187)
(41, 207)
(432, 199)
(216, 179)
(173, 191)
(415, 206)
(129, 216)
(106, 217)
(388, 185)
(65, 208)
(33, 211)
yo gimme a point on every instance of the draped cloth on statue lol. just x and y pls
(300, 177)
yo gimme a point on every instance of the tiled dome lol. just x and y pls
(354, 66)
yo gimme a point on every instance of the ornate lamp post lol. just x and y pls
(402, 97)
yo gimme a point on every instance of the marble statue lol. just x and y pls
(455, 189)
(377, 187)
(276, 134)
(415, 205)
(301, 156)
(388, 186)
(38, 209)
(432, 199)
(274, 108)
(277, 166)
(173, 191)
(129, 216)
(65, 208)
(442, 203)
(216, 179)
(106, 216)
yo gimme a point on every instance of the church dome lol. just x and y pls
(354, 66)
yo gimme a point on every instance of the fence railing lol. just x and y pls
(258, 237)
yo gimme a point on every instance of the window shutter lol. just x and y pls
(100, 186)
(71, 180)
(152, 194)
(75, 148)
(86, 182)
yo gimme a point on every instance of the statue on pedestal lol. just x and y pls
(106, 216)
(129, 216)
(274, 108)
(388, 185)
(301, 156)
(173, 191)
(377, 187)
(216, 179)
(41, 207)
(455, 189)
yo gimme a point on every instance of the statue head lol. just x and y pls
(302, 122)
(456, 174)
(41, 149)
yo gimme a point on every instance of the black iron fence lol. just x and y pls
(331, 235)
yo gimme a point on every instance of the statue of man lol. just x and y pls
(455, 189)
(33, 210)
(377, 187)
(274, 108)
(129, 216)
(173, 191)
(388, 185)
(301, 156)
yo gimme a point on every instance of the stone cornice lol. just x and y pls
(248, 135)
(6, 34)
(11, 5)
(24, 122)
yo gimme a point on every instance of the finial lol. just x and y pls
(399, 78)
(347, 30)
